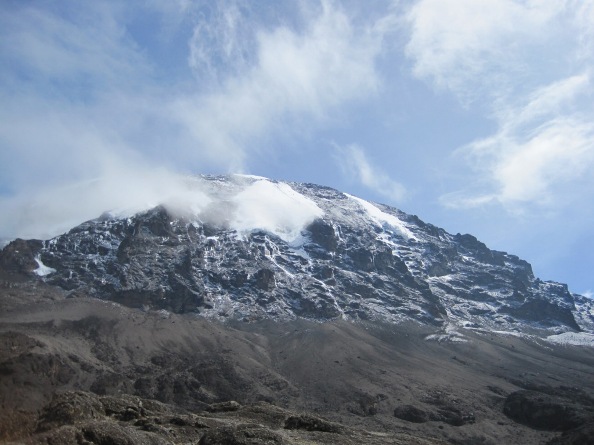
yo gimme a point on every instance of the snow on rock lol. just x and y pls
(245, 246)
(449, 334)
(382, 218)
(245, 203)
(275, 208)
(572, 338)
(243, 175)
(42, 270)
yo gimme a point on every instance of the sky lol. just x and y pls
(477, 116)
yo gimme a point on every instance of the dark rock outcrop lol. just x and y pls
(241, 435)
(543, 411)
(448, 414)
(411, 413)
(223, 407)
(311, 423)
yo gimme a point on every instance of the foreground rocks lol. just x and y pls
(77, 417)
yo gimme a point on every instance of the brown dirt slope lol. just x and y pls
(81, 370)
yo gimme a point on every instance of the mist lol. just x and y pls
(240, 203)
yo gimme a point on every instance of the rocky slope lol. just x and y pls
(310, 252)
(81, 370)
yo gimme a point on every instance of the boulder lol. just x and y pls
(543, 411)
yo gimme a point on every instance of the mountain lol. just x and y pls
(257, 249)
(297, 296)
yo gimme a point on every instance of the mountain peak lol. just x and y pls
(245, 247)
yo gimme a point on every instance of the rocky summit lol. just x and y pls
(318, 254)
(258, 311)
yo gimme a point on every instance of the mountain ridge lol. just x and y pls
(257, 248)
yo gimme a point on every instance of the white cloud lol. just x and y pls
(221, 42)
(558, 153)
(585, 29)
(87, 50)
(90, 91)
(82, 100)
(124, 190)
(527, 64)
(70, 83)
(274, 207)
(556, 99)
(353, 160)
(243, 206)
(294, 79)
(465, 46)
(541, 148)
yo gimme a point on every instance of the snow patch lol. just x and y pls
(382, 218)
(164, 314)
(42, 270)
(450, 335)
(275, 208)
(242, 175)
(507, 333)
(445, 338)
(572, 338)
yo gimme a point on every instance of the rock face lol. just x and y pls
(548, 411)
(353, 260)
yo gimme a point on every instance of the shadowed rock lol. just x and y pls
(411, 413)
(543, 411)
(311, 423)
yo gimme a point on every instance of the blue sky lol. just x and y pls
(477, 116)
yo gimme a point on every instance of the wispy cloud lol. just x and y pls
(222, 42)
(354, 162)
(88, 49)
(83, 101)
(295, 78)
(124, 190)
(527, 65)
(251, 81)
(541, 148)
(63, 84)
(477, 48)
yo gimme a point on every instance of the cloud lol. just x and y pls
(561, 151)
(353, 160)
(84, 101)
(274, 207)
(222, 42)
(68, 85)
(125, 190)
(85, 74)
(87, 48)
(527, 64)
(556, 99)
(246, 204)
(472, 48)
(295, 79)
(541, 152)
